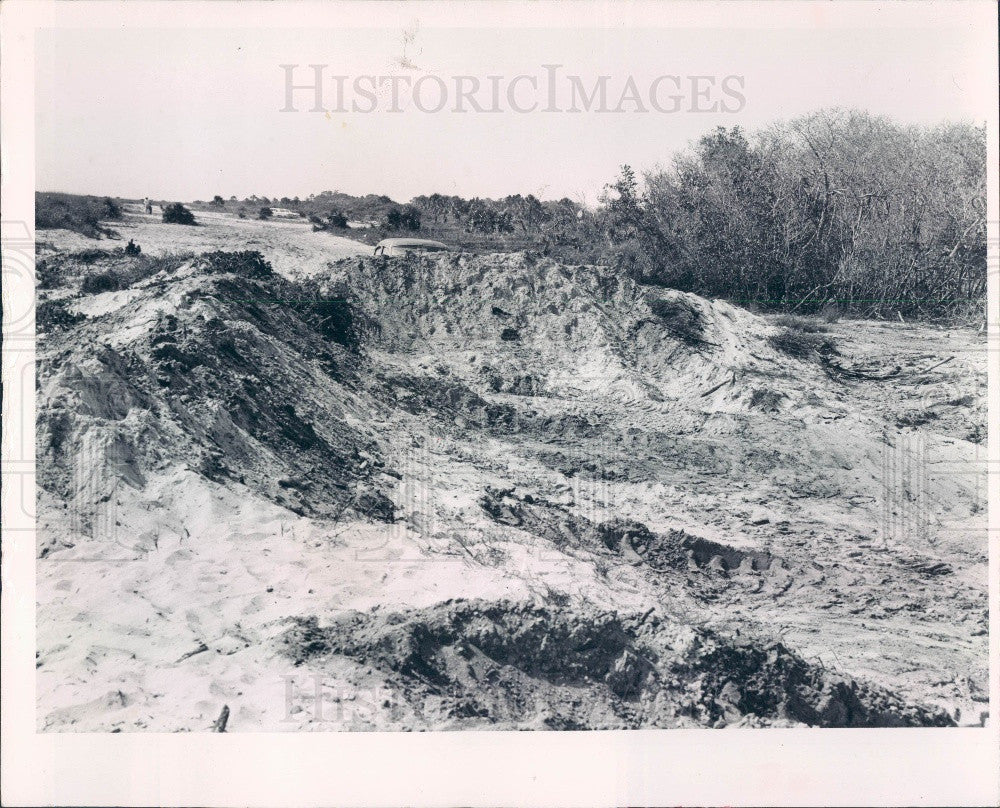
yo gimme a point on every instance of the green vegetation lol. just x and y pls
(178, 214)
(837, 207)
(54, 315)
(82, 214)
(249, 263)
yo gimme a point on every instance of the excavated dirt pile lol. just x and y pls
(578, 502)
(516, 665)
(550, 328)
(218, 365)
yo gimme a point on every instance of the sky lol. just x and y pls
(188, 113)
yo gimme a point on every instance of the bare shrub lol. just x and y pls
(803, 324)
(802, 344)
(839, 207)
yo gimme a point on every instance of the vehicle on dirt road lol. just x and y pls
(404, 246)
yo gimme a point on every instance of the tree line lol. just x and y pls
(837, 208)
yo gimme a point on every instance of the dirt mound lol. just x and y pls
(532, 326)
(520, 665)
(562, 434)
(194, 367)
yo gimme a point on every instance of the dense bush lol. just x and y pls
(265, 213)
(82, 214)
(369, 208)
(111, 209)
(837, 207)
(250, 263)
(53, 315)
(337, 219)
(178, 214)
(132, 248)
(402, 217)
(105, 281)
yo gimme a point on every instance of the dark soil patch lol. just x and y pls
(511, 664)
(681, 319)
(632, 541)
(803, 344)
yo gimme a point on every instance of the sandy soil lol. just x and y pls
(289, 244)
(544, 439)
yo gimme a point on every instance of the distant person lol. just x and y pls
(148, 204)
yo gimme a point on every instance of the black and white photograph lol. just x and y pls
(399, 374)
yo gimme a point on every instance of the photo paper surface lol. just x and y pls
(379, 372)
